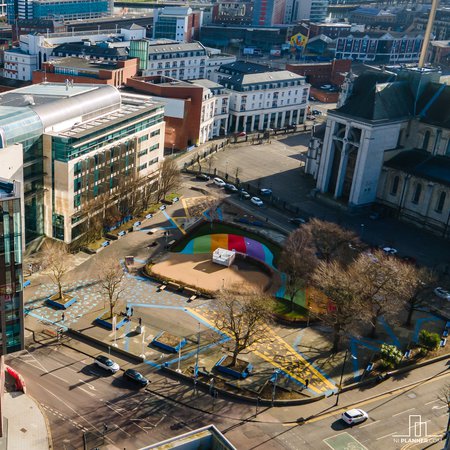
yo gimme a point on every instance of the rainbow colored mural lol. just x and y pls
(208, 243)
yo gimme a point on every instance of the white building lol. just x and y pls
(183, 61)
(313, 10)
(389, 143)
(261, 98)
(177, 23)
(34, 49)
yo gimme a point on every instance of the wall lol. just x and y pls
(180, 132)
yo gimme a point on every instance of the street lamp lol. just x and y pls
(342, 375)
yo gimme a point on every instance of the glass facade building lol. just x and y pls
(11, 283)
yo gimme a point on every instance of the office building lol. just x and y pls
(180, 24)
(267, 13)
(380, 46)
(77, 142)
(176, 60)
(35, 49)
(233, 12)
(313, 10)
(262, 98)
(195, 111)
(60, 9)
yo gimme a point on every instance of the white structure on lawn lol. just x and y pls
(223, 257)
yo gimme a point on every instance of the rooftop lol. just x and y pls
(245, 67)
(83, 63)
(207, 83)
(422, 164)
(175, 47)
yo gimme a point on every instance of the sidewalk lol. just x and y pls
(25, 424)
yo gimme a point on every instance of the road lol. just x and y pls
(79, 398)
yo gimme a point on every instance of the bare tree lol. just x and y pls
(421, 289)
(110, 281)
(382, 284)
(333, 241)
(337, 303)
(169, 178)
(55, 261)
(242, 315)
(298, 261)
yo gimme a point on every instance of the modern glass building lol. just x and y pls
(11, 285)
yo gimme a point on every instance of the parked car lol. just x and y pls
(202, 177)
(316, 112)
(354, 416)
(106, 363)
(136, 377)
(265, 191)
(257, 201)
(390, 250)
(219, 182)
(442, 293)
(244, 194)
(297, 220)
(230, 188)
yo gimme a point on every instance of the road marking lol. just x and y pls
(126, 432)
(406, 410)
(385, 436)
(433, 401)
(86, 392)
(375, 399)
(89, 385)
(439, 407)
(344, 441)
(369, 424)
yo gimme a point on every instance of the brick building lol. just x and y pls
(332, 72)
(81, 70)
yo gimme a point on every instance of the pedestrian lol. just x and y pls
(140, 321)
(132, 312)
(267, 219)
(63, 316)
(307, 383)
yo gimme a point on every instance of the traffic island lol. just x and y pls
(169, 342)
(60, 303)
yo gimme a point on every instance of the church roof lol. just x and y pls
(433, 105)
(423, 165)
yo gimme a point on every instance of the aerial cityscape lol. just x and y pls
(225, 224)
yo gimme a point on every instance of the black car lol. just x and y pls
(230, 188)
(135, 376)
(297, 221)
(202, 177)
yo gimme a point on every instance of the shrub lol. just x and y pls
(390, 355)
(429, 340)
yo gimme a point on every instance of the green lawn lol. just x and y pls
(283, 308)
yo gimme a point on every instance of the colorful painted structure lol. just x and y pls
(209, 243)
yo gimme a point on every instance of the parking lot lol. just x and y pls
(275, 165)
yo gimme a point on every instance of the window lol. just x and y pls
(395, 183)
(142, 153)
(440, 203)
(426, 140)
(77, 184)
(153, 147)
(143, 138)
(142, 167)
(155, 133)
(153, 161)
(417, 193)
(77, 201)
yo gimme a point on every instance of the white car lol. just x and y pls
(441, 292)
(257, 201)
(390, 250)
(106, 363)
(219, 182)
(354, 416)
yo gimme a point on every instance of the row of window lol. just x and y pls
(439, 206)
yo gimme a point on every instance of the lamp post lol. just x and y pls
(342, 375)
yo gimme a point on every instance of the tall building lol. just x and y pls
(11, 283)
(313, 10)
(291, 11)
(268, 12)
(389, 143)
(60, 9)
(177, 23)
(77, 142)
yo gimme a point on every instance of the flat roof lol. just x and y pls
(83, 63)
(204, 82)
